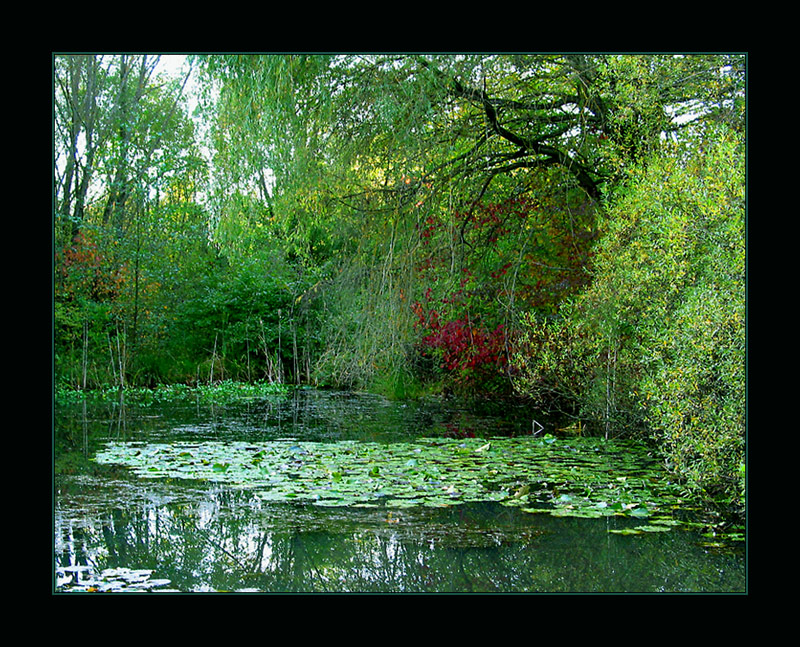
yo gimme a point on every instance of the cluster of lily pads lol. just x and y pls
(580, 477)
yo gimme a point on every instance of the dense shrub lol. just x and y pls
(479, 270)
(656, 344)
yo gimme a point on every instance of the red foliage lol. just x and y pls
(464, 346)
(88, 272)
(458, 315)
(470, 351)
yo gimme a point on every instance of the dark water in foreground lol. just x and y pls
(114, 531)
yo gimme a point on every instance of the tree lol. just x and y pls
(80, 132)
(364, 150)
(111, 117)
(122, 141)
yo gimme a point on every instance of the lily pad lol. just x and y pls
(581, 477)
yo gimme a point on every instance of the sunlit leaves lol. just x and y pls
(657, 341)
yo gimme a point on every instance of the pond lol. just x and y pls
(334, 492)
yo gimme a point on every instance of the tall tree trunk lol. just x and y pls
(80, 118)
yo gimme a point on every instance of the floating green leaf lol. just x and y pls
(652, 528)
(582, 477)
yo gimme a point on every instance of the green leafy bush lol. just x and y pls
(656, 344)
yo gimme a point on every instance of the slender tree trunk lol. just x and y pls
(247, 355)
(79, 118)
(294, 352)
(280, 355)
(111, 363)
(611, 365)
(213, 358)
(121, 357)
(85, 354)
(269, 367)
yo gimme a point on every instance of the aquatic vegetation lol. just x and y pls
(222, 392)
(579, 477)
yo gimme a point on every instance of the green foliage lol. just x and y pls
(88, 299)
(657, 341)
(694, 385)
(552, 362)
(223, 392)
(123, 133)
(368, 153)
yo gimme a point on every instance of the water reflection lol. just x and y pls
(307, 414)
(216, 539)
(203, 537)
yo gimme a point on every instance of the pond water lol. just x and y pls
(121, 529)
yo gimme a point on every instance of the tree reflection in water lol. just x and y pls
(220, 539)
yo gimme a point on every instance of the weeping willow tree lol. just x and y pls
(373, 168)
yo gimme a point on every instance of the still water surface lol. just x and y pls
(117, 532)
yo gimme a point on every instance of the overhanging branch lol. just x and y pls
(531, 147)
